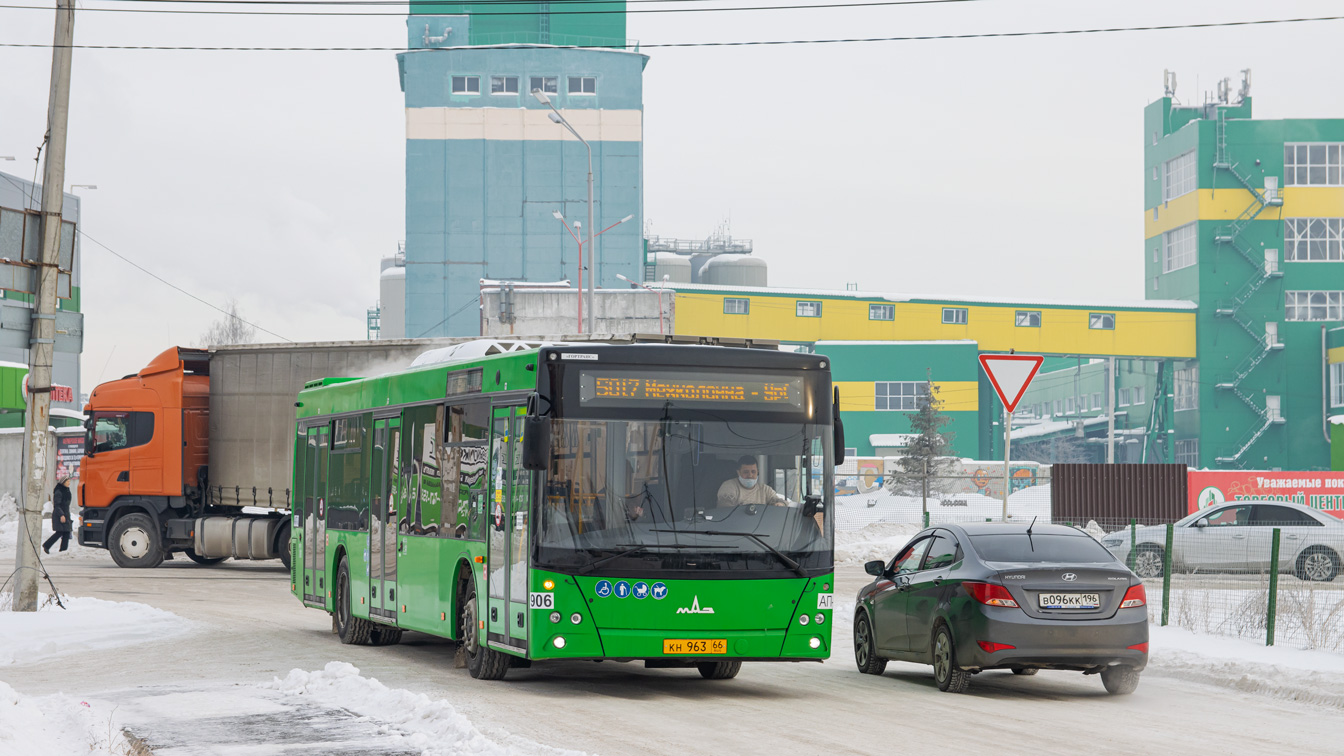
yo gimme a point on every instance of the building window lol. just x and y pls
(1154, 283)
(954, 315)
(1313, 164)
(1320, 306)
(1122, 397)
(1096, 400)
(545, 84)
(851, 452)
(503, 85)
(1187, 452)
(902, 396)
(1337, 384)
(1181, 246)
(1069, 407)
(736, 306)
(881, 312)
(1154, 173)
(582, 85)
(809, 309)
(1180, 175)
(1312, 239)
(1059, 407)
(1187, 389)
(1101, 321)
(466, 85)
(1136, 396)
(1028, 319)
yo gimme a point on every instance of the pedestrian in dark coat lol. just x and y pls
(60, 518)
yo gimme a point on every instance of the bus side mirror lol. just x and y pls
(536, 442)
(838, 440)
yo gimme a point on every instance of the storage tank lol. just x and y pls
(734, 270)
(676, 267)
(392, 303)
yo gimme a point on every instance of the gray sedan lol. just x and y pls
(967, 598)
(1237, 537)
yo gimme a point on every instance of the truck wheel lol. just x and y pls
(204, 561)
(350, 629)
(483, 663)
(282, 545)
(135, 541)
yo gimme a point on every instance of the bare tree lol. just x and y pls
(230, 329)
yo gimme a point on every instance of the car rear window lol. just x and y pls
(1020, 547)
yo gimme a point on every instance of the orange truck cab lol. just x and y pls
(146, 458)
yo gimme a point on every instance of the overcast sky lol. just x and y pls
(1002, 167)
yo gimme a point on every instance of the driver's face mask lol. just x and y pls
(746, 482)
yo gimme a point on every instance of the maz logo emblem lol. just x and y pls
(1069, 577)
(695, 608)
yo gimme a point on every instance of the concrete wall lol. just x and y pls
(11, 462)
(555, 311)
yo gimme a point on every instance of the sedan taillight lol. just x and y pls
(990, 594)
(1135, 596)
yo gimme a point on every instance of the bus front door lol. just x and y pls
(315, 516)
(507, 522)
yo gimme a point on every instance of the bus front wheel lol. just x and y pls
(724, 670)
(483, 663)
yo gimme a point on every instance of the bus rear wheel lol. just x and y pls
(722, 670)
(350, 629)
(483, 663)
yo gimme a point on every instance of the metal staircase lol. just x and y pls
(1230, 236)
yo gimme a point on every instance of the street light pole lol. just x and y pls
(592, 270)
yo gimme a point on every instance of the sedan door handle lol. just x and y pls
(938, 580)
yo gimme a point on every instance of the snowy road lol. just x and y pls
(250, 630)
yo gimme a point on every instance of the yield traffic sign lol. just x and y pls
(1010, 375)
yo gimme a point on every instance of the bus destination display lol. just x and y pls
(744, 390)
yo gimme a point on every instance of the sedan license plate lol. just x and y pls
(1069, 600)
(681, 646)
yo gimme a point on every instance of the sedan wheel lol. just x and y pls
(1318, 565)
(1148, 562)
(945, 671)
(865, 653)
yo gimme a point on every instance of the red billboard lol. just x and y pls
(1319, 490)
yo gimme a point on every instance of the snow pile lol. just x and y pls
(1315, 677)
(858, 510)
(412, 720)
(56, 725)
(86, 624)
(880, 541)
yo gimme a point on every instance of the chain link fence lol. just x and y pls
(1273, 582)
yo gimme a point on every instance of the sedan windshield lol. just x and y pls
(708, 496)
(1020, 547)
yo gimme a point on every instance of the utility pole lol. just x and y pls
(37, 439)
(1110, 410)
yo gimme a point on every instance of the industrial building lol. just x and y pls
(487, 169)
(20, 253)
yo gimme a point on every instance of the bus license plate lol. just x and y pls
(1070, 600)
(711, 646)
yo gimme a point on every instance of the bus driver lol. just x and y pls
(747, 488)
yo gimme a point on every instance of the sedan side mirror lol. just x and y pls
(876, 568)
(1202, 522)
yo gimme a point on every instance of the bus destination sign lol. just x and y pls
(632, 388)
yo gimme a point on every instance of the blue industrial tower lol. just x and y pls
(486, 169)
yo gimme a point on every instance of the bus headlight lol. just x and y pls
(814, 642)
(559, 641)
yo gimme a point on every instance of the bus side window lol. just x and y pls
(464, 462)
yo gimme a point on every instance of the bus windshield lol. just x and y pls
(709, 496)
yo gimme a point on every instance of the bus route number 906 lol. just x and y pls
(541, 601)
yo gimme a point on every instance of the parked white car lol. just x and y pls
(1236, 537)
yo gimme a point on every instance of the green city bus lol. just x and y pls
(568, 502)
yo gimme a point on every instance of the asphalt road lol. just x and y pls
(252, 629)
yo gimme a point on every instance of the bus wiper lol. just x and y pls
(798, 568)
(590, 566)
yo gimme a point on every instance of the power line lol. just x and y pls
(816, 6)
(170, 284)
(474, 300)
(752, 43)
